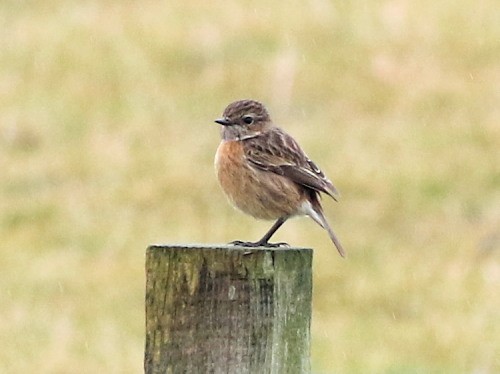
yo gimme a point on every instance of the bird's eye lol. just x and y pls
(248, 119)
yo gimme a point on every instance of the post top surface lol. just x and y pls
(228, 247)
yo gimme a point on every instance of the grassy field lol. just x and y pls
(107, 142)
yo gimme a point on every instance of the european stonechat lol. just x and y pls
(264, 172)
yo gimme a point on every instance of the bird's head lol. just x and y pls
(244, 119)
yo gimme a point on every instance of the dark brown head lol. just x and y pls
(244, 119)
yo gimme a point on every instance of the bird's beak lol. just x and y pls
(223, 121)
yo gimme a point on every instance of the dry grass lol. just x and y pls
(107, 141)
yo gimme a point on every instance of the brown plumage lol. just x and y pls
(265, 173)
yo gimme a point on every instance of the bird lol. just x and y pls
(265, 173)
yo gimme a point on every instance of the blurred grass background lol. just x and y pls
(107, 142)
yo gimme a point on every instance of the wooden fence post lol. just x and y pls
(227, 309)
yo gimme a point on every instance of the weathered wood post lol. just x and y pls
(227, 309)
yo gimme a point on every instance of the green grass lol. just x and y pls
(107, 142)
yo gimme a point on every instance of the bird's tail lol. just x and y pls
(334, 238)
(316, 213)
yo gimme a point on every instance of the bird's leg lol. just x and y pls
(264, 241)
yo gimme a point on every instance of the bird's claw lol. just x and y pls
(259, 244)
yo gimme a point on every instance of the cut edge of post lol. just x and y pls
(228, 247)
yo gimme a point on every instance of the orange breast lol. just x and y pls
(256, 192)
(231, 166)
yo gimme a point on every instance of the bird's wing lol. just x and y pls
(277, 152)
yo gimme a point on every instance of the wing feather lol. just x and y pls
(277, 152)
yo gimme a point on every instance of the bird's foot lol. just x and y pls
(259, 244)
